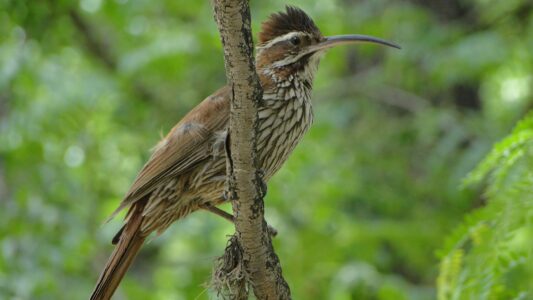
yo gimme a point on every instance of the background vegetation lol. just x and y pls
(372, 205)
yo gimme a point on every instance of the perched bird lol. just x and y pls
(187, 169)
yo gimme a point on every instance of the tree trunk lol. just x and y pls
(261, 265)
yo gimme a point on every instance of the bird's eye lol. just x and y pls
(295, 40)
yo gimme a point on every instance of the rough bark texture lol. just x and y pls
(260, 264)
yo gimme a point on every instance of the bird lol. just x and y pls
(186, 171)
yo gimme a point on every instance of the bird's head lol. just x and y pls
(290, 43)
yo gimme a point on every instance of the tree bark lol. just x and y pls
(245, 184)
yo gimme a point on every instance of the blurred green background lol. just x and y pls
(372, 204)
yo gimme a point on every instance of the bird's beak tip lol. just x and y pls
(394, 45)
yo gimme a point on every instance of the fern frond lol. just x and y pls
(490, 256)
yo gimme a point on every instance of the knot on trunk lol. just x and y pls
(230, 279)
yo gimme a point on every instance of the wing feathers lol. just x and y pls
(187, 144)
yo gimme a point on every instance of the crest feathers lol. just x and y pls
(293, 19)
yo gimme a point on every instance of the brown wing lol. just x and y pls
(187, 144)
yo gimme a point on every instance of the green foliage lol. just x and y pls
(491, 255)
(363, 204)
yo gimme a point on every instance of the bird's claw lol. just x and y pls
(272, 231)
(225, 195)
(260, 175)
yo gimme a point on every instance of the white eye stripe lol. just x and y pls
(284, 37)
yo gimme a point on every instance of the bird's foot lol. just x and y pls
(228, 195)
(272, 231)
(260, 177)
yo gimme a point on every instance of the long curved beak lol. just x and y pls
(337, 40)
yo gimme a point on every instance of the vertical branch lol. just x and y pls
(246, 187)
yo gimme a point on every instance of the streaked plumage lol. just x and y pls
(187, 169)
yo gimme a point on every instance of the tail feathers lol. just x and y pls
(129, 243)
